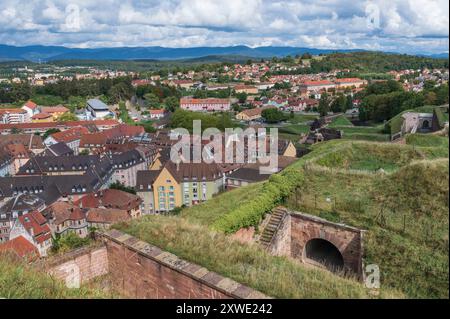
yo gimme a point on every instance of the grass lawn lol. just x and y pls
(340, 121)
(302, 118)
(427, 140)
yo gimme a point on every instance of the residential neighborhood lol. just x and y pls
(264, 153)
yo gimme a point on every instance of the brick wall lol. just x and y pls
(281, 245)
(297, 229)
(141, 270)
(79, 266)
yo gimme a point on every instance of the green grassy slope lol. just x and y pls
(248, 264)
(19, 280)
(404, 211)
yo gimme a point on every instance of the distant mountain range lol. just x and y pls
(53, 53)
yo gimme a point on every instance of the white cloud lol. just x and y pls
(405, 25)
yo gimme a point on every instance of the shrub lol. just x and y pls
(274, 191)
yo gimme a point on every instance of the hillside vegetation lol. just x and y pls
(404, 210)
(248, 264)
(20, 280)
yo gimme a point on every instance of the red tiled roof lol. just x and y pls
(54, 109)
(318, 83)
(203, 101)
(21, 246)
(107, 216)
(70, 135)
(30, 104)
(110, 198)
(68, 124)
(101, 138)
(36, 223)
(17, 150)
(41, 116)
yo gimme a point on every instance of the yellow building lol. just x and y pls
(42, 117)
(55, 111)
(166, 191)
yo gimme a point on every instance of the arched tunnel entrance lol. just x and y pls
(321, 251)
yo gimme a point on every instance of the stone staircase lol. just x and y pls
(271, 228)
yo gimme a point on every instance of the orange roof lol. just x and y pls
(110, 198)
(30, 104)
(318, 83)
(54, 109)
(36, 223)
(100, 138)
(21, 246)
(107, 216)
(203, 101)
(17, 150)
(41, 116)
(44, 125)
(70, 135)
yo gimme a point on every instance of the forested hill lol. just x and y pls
(376, 62)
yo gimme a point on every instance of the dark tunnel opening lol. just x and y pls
(325, 253)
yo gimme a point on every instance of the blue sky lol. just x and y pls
(409, 26)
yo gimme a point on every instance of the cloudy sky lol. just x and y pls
(410, 26)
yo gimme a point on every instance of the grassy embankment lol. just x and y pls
(404, 210)
(21, 280)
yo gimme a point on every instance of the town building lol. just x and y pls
(31, 108)
(252, 114)
(97, 110)
(34, 227)
(144, 189)
(64, 218)
(21, 247)
(185, 184)
(205, 105)
(247, 89)
(114, 199)
(14, 116)
(70, 137)
(54, 111)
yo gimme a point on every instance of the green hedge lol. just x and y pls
(276, 189)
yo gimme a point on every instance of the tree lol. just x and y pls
(324, 105)
(349, 103)
(339, 104)
(242, 97)
(151, 100)
(68, 117)
(119, 92)
(76, 102)
(172, 103)
(273, 115)
(306, 56)
(121, 187)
